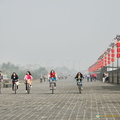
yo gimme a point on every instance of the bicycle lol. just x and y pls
(52, 85)
(79, 86)
(44, 79)
(40, 80)
(28, 88)
(15, 86)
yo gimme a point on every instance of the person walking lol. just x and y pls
(88, 78)
(94, 76)
(104, 77)
(107, 78)
(1, 76)
(91, 77)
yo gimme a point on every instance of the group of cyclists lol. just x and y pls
(28, 78)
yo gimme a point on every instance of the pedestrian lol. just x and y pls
(107, 78)
(1, 80)
(94, 76)
(104, 77)
(1, 76)
(88, 78)
(91, 77)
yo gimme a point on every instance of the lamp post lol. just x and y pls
(118, 55)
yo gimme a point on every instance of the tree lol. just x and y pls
(38, 72)
(9, 68)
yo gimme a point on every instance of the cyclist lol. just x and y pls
(79, 77)
(52, 76)
(44, 77)
(14, 78)
(28, 79)
(41, 78)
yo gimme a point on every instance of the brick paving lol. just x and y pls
(66, 104)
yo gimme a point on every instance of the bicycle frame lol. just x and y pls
(79, 86)
(40, 80)
(28, 88)
(15, 87)
(52, 84)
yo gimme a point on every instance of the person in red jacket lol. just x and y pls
(94, 76)
(52, 76)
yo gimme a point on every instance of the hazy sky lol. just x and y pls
(73, 33)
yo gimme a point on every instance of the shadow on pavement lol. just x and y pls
(112, 88)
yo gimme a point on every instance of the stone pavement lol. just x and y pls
(66, 104)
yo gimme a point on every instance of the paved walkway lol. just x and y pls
(66, 104)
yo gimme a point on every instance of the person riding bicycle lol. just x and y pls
(14, 78)
(41, 78)
(79, 77)
(52, 76)
(28, 79)
(44, 77)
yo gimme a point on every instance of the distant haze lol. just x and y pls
(71, 33)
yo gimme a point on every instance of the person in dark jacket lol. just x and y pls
(79, 77)
(14, 78)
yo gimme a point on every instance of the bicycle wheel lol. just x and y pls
(40, 80)
(79, 87)
(52, 85)
(28, 88)
(15, 88)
